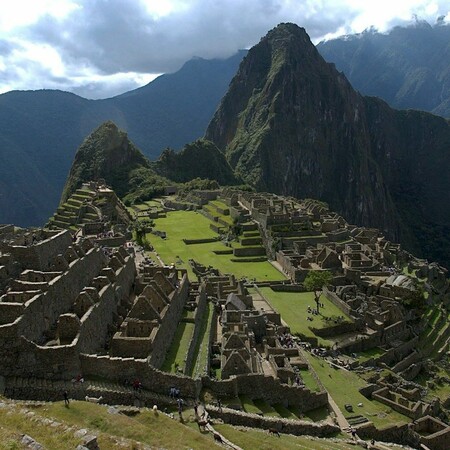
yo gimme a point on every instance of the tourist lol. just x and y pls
(66, 399)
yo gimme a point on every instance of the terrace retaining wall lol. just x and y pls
(295, 427)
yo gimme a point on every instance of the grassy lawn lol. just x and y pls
(293, 309)
(179, 347)
(266, 409)
(372, 353)
(181, 225)
(309, 380)
(201, 351)
(343, 387)
(284, 412)
(113, 431)
(250, 439)
(248, 405)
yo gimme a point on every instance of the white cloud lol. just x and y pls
(95, 47)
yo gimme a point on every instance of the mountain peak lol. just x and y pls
(103, 154)
(286, 30)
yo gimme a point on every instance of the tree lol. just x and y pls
(315, 281)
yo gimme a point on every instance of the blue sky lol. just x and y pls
(100, 48)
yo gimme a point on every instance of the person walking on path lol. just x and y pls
(66, 399)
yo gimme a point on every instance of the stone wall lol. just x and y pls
(287, 288)
(166, 330)
(345, 327)
(52, 363)
(200, 241)
(94, 324)
(44, 310)
(258, 386)
(40, 255)
(9, 312)
(25, 356)
(122, 369)
(249, 251)
(295, 427)
(399, 434)
(198, 320)
(346, 309)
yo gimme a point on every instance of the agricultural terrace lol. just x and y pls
(180, 225)
(293, 308)
(344, 385)
(253, 438)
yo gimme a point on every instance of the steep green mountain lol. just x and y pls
(200, 159)
(409, 67)
(108, 154)
(41, 130)
(290, 123)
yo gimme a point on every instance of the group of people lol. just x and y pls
(286, 340)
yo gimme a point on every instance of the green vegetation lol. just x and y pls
(309, 380)
(265, 408)
(107, 153)
(315, 281)
(248, 438)
(343, 387)
(372, 353)
(199, 159)
(178, 350)
(202, 347)
(293, 308)
(181, 225)
(248, 405)
(114, 431)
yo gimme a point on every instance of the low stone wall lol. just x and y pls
(250, 260)
(296, 427)
(406, 362)
(398, 434)
(249, 251)
(216, 228)
(361, 345)
(258, 386)
(228, 251)
(288, 288)
(346, 309)
(200, 241)
(345, 327)
(381, 396)
(396, 354)
(111, 241)
(251, 241)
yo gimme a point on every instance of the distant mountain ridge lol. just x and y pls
(292, 124)
(40, 131)
(409, 67)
